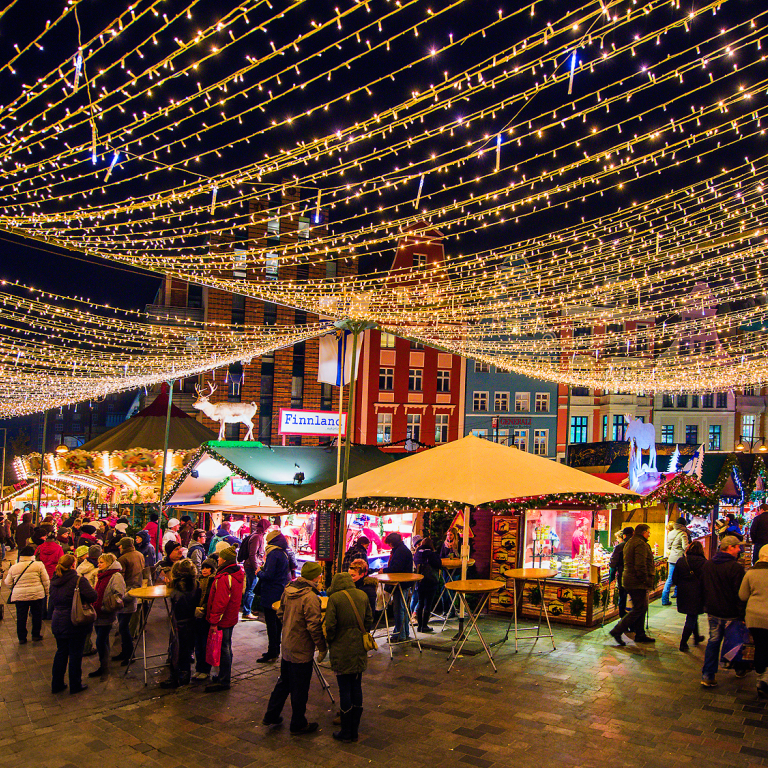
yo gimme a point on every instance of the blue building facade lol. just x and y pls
(511, 409)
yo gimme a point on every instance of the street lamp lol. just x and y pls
(747, 445)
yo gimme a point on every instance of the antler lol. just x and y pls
(197, 389)
(213, 387)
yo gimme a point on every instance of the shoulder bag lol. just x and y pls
(16, 581)
(112, 602)
(82, 613)
(368, 642)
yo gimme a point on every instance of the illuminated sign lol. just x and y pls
(318, 423)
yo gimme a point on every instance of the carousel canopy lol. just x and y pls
(147, 430)
(472, 471)
(238, 476)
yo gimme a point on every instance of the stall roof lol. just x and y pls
(271, 470)
(472, 471)
(147, 430)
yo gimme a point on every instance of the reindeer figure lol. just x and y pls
(640, 435)
(226, 413)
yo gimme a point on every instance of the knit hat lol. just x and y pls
(311, 570)
(126, 543)
(228, 554)
(94, 551)
(88, 529)
(186, 519)
(680, 520)
(173, 521)
(121, 527)
(729, 541)
(81, 552)
(209, 562)
(763, 553)
(170, 546)
(271, 535)
(220, 545)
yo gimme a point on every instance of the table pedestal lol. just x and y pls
(540, 576)
(398, 589)
(455, 652)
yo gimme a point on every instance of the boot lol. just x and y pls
(337, 719)
(184, 677)
(345, 734)
(684, 639)
(697, 638)
(357, 713)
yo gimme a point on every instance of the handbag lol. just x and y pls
(213, 647)
(112, 601)
(368, 642)
(10, 596)
(82, 613)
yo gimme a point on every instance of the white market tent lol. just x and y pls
(471, 471)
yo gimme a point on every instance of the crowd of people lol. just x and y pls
(734, 599)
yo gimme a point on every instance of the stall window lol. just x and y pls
(384, 428)
(618, 427)
(443, 381)
(715, 437)
(387, 340)
(386, 378)
(501, 401)
(522, 402)
(521, 439)
(668, 433)
(542, 402)
(413, 429)
(441, 428)
(579, 429)
(415, 376)
(540, 440)
(691, 434)
(480, 401)
(481, 367)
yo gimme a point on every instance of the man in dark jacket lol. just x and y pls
(638, 578)
(400, 561)
(24, 530)
(720, 580)
(302, 634)
(758, 532)
(274, 576)
(616, 567)
(252, 561)
(358, 551)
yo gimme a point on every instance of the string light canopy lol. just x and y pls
(596, 171)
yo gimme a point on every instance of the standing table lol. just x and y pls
(398, 579)
(540, 576)
(450, 566)
(484, 587)
(147, 596)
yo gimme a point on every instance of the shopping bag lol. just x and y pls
(82, 613)
(213, 647)
(736, 636)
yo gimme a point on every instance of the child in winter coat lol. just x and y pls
(202, 667)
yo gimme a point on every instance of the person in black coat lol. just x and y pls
(70, 638)
(428, 564)
(184, 595)
(758, 532)
(616, 567)
(690, 596)
(400, 561)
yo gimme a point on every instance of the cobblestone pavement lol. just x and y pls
(588, 703)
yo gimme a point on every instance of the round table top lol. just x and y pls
(530, 573)
(474, 585)
(397, 578)
(149, 593)
(455, 562)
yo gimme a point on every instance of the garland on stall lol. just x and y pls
(758, 470)
(731, 463)
(216, 488)
(687, 491)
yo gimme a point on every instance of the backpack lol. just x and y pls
(242, 550)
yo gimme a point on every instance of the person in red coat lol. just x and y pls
(223, 611)
(48, 553)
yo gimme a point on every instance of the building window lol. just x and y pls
(667, 401)
(722, 400)
(480, 433)
(694, 401)
(501, 401)
(707, 401)
(481, 367)
(386, 378)
(326, 396)
(331, 268)
(691, 434)
(480, 401)
(419, 259)
(303, 231)
(605, 427)
(580, 391)
(502, 436)
(749, 390)
(238, 309)
(416, 345)
(387, 340)
(522, 402)
(414, 379)
(443, 381)
(413, 429)
(668, 433)
(272, 265)
(579, 429)
(748, 426)
(273, 228)
(441, 428)
(232, 431)
(540, 439)
(542, 402)
(384, 428)
(520, 437)
(715, 437)
(618, 427)
(682, 401)
(239, 265)
(297, 391)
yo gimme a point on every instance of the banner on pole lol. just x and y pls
(336, 358)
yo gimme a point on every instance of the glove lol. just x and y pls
(320, 656)
(199, 612)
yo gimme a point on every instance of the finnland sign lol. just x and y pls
(317, 423)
